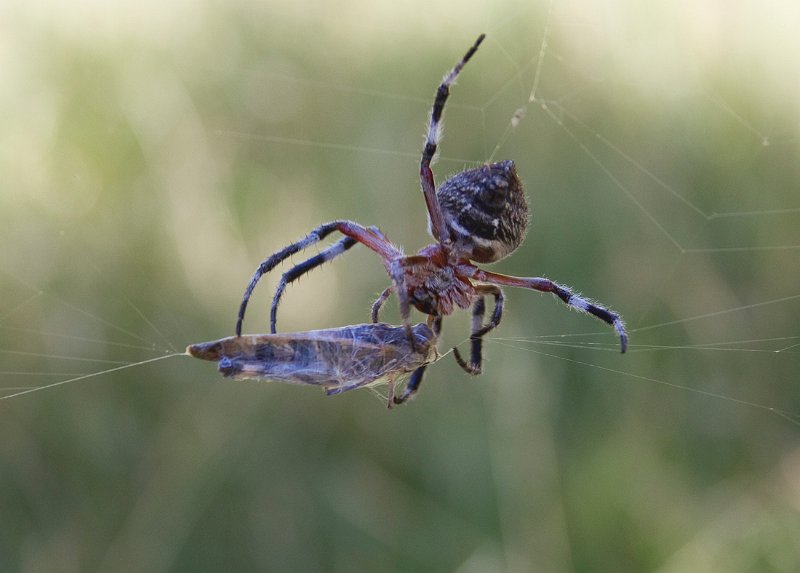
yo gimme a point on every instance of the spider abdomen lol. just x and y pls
(485, 211)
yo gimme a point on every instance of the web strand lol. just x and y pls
(86, 376)
(794, 419)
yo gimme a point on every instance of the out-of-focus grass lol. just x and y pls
(151, 155)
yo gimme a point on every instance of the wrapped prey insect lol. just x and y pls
(338, 359)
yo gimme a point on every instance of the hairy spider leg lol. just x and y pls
(438, 227)
(297, 271)
(571, 299)
(376, 306)
(370, 238)
(435, 323)
(411, 386)
(474, 366)
(479, 329)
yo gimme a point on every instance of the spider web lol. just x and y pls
(662, 175)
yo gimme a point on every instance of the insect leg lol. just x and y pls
(390, 393)
(376, 306)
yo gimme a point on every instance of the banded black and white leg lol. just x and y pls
(565, 294)
(371, 237)
(331, 252)
(338, 248)
(479, 329)
(438, 228)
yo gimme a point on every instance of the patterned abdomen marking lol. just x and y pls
(485, 211)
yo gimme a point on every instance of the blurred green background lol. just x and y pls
(152, 154)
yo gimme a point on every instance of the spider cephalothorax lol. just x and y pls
(477, 215)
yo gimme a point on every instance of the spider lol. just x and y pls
(479, 215)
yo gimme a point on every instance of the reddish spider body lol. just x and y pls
(479, 215)
(432, 282)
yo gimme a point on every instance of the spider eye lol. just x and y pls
(485, 211)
